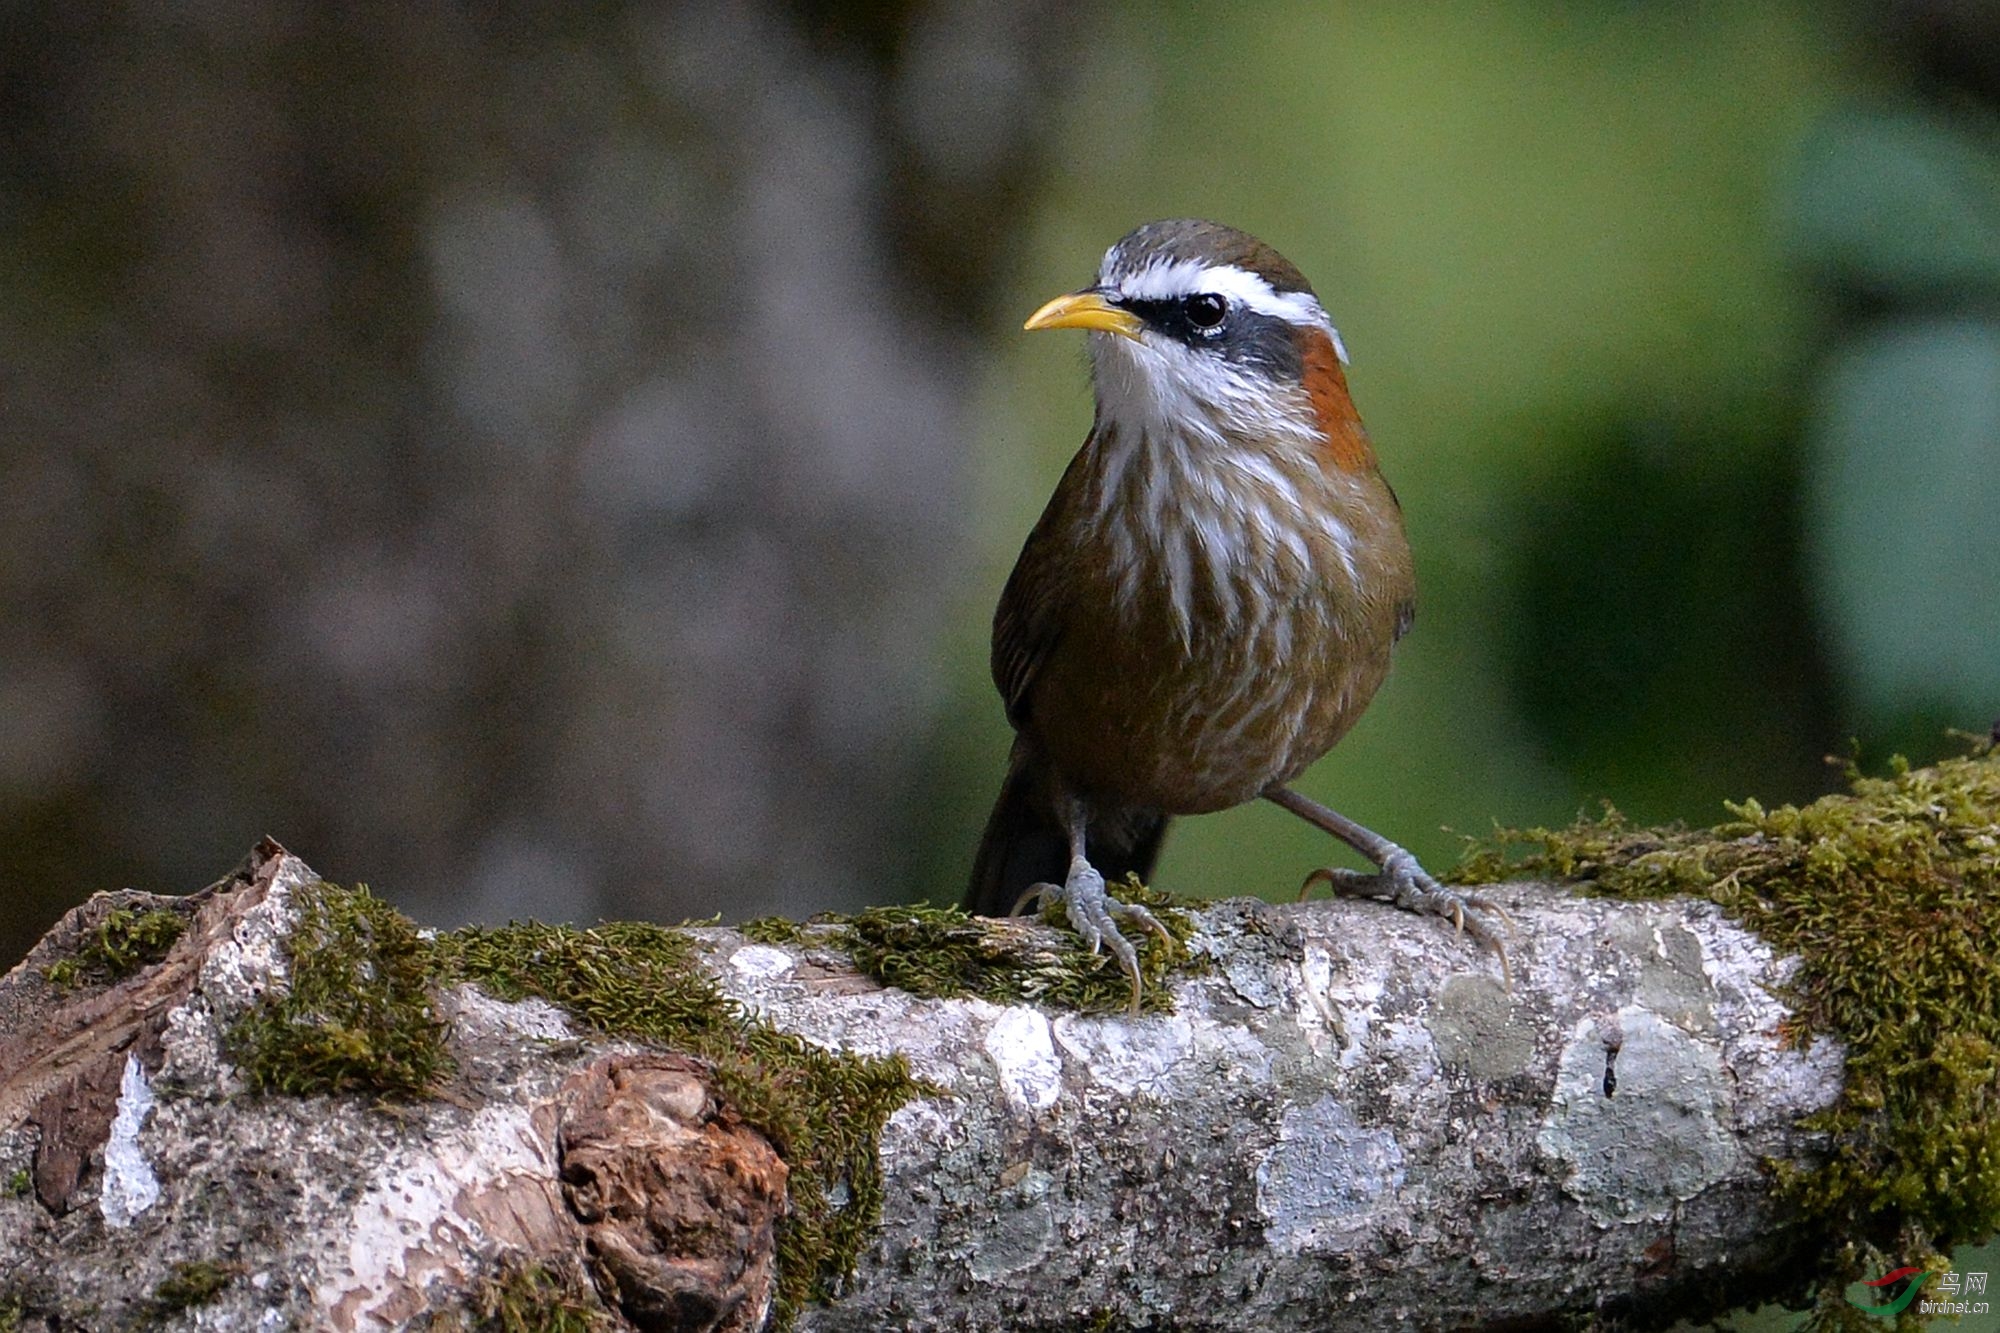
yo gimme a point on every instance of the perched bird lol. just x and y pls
(1209, 599)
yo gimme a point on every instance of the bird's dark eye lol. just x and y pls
(1204, 310)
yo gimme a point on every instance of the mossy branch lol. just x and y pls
(1750, 1060)
(1890, 897)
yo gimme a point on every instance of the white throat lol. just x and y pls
(1206, 482)
(1160, 387)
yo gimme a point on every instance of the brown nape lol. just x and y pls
(1347, 443)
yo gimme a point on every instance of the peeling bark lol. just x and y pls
(679, 1201)
(1346, 1121)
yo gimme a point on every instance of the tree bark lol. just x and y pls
(1346, 1121)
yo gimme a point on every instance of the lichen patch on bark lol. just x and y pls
(1477, 1030)
(130, 1187)
(1022, 1048)
(1638, 1117)
(431, 1210)
(1326, 1178)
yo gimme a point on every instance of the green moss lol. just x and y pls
(823, 1112)
(20, 1183)
(780, 930)
(1890, 896)
(943, 952)
(190, 1285)
(531, 1298)
(357, 1015)
(122, 943)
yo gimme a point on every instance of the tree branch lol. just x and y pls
(1345, 1120)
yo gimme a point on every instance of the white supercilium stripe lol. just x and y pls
(1169, 280)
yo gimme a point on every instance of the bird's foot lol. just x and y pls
(1405, 883)
(1093, 913)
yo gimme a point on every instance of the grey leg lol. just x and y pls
(1093, 913)
(1401, 880)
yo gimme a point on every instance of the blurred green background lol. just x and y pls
(1693, 508)
(562, 462)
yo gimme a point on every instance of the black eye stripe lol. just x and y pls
(1148, 308)
(1242, 336)
(1192, 318)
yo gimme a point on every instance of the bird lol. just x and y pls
(1209, 599)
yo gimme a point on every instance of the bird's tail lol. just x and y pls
(1025, 845)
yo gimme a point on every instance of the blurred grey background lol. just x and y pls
(560, 460)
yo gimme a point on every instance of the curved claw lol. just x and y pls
(1144, 916)
(1094, 914)
(1404, 882)
(1488, 905)
(1343, 882)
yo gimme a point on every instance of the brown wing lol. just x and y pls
(1033, 609)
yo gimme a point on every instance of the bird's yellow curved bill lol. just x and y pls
(1085, 310)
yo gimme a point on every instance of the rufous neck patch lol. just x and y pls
(1347, 445)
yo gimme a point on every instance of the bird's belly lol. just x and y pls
(1189, 727)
